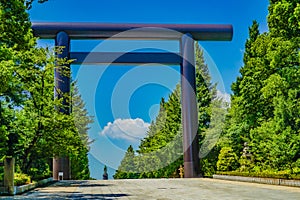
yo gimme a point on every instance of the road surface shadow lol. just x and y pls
(69, 196)
(59, 190)
(98, 196)
(78, 184)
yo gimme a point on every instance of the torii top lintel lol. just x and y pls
(80, 30)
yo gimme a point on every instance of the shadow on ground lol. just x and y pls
(76, 195)
(67, 190)
(62, 196)
(78, 184)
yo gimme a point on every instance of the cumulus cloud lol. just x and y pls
(132, 130)
(224, 96)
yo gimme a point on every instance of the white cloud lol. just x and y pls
(224, 96)
(132, 130)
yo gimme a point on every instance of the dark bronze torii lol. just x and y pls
(62, 32)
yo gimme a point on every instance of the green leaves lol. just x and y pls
(227, 160)
(283, 18)
(160, 153)
(265, 106)
(31, 127)
(15, 27)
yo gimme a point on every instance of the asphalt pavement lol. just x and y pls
(161, 189)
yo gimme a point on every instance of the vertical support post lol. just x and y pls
(189, 108)
(9, 172)
(62, 87)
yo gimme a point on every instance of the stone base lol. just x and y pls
(61, 169)
(190, 171)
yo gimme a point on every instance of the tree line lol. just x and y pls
(260, 132)
(160, 153)
(32, 130)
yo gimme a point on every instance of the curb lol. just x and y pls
(271, 181)
(24, 188)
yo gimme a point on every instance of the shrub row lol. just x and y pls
(21, 179)
(266, 174)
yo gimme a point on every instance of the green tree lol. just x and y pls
(43, 131)
(227, 160)
(127, 167)
(79, 161)
(211, 112)
(246, 105)
(160, 152)
(31, 128)
(284, 18)
(16, 40)
(265, 104)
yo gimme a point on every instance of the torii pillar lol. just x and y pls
(189, 108)
(62, 165)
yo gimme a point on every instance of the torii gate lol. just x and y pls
(185, 33)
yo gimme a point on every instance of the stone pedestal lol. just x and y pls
(9, 172)
(61, 166)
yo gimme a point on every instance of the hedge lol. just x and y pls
(265, 174)
(21, 179)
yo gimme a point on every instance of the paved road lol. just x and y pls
(161, 189)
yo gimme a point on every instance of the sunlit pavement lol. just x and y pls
(160, 189)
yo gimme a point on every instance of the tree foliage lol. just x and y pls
(160, 153)
(265, 103)
(15, 43)
(31, 127)
(79, 158)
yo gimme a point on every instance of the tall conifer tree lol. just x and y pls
(265, 103)
(163, 143)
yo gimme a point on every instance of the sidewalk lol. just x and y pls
(161, 189)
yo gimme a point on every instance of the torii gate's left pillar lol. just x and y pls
(61, 165)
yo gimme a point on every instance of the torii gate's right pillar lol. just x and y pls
(189, 108)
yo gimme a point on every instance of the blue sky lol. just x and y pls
(124, 99)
